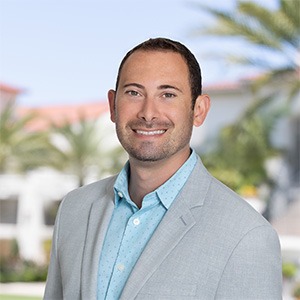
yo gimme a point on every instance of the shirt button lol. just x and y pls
(136, 221)
(120, 267)
(120, 194)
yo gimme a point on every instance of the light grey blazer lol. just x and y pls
(210, 245)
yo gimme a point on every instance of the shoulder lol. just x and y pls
(233, 205)
(82, 198)
(91, 190)
(75, 208)
(222, 206)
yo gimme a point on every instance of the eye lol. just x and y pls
(169, 95)
(132, 93)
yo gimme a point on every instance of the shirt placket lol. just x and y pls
(120, 270)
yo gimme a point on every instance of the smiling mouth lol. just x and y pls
(150, 132)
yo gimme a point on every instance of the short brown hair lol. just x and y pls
(164, 44)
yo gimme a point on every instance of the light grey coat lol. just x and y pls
(210, 245)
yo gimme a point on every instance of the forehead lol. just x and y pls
(159, 62)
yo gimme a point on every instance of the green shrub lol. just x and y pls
(289, 270)
(22, 271)
(296, 292)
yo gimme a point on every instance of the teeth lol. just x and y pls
(154, 132)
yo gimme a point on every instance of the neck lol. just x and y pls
(145, 177)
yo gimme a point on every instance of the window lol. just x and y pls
(8, 210)
(50, 212)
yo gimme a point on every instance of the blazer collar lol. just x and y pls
(197, 185)
(173, 227)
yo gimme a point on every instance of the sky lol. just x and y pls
(68, 51)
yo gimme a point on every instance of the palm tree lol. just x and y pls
(272, 39)
(242, 148)
(274, 34)
(20, 150)
(81, 149)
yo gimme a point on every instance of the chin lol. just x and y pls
(147, 156)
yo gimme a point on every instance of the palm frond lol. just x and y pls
(20, 149)
(291, 9)
(274, 23)
(238, 25)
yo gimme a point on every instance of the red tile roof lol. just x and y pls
(231, 85)
(222, 86)
(61, 114)
(10, 89)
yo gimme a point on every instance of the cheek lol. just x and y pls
(181, 116)
(124, 113)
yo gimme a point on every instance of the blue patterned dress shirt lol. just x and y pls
(131, 228)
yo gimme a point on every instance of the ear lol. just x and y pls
(202, 106)
(111, 95)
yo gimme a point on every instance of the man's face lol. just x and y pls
(152, 107)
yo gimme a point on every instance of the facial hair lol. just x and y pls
(149, 150)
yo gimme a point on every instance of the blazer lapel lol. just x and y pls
(100, 214)
(171, 230)
(176, 223)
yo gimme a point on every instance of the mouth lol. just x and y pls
(150, 132)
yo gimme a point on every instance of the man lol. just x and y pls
(164, 228)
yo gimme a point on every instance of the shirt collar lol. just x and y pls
(121, 185)
(171, 188)
(167, 192)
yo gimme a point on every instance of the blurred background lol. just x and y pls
(58, 59)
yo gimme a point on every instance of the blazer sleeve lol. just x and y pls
(54, 288)
(253, 270)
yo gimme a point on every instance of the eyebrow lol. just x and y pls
(134, 84)
(161, 87)
(167, 86)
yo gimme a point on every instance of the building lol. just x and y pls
(29, 201)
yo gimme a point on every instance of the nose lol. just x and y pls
(148, 111)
